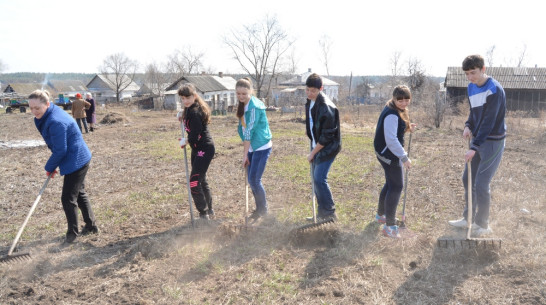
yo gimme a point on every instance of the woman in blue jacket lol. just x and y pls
(254, 132)
(70, 153)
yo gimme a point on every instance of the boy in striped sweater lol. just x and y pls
(487, 130)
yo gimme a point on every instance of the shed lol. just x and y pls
(525, 88)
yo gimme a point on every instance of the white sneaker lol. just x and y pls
(461, 223)
(479, 231)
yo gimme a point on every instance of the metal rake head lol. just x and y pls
(472, 243)
(15, 258)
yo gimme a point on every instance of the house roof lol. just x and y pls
(227, 81)
(203, 83)
(145, 88)
(509, 77)
(25, 89)
(109, 80)
(302, 78)
(68, 85)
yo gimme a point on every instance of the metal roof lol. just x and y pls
(25, 89)
(508, 77)
(109, 80)
(302, 78)
(203, 83)
(68, 85)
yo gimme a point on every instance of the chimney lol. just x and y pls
(221, 74)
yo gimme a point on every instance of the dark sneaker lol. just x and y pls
(203, 216)
(70, 238)
(89, 230)
(210, 213)
(332, 216)
(257, 214)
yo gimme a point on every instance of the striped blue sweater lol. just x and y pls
(487, 111)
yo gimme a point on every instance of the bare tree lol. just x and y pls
(489, 55)
(396, 67)
(325, 43)
(292, 63)
(259, 48)
(416, 74)
(156, 79)
(185, 61)
(120, 70)
(363, 89)
(521, 57)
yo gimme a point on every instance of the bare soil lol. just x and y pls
(148, 253)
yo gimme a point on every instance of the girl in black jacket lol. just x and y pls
(196, 117)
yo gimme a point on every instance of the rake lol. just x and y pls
(187, 175)
(315, 223)
(23, 256)
(469, 242)
(402, 224)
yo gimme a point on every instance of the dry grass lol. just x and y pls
(147, 252)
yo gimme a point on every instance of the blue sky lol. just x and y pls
(76, 36)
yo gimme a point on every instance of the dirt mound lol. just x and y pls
(113, 118)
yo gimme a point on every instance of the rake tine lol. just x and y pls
(15, 258)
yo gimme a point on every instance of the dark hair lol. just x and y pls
(42, 95)
(401, 92)
(187, 90)
(314, 81)
(472, 62)
(244, 82)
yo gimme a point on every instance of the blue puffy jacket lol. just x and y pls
(63, 137)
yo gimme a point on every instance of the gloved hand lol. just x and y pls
(52, 174)
(182, 142)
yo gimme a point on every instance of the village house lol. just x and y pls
(525, 88)
(103, 88)
(292, 91)
(217, 91)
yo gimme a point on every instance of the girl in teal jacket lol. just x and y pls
(254, 132)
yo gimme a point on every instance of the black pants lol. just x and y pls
(390, 193)
(200, 191)
(74, 197)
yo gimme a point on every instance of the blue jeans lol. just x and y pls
(258, 160)
(485, 163)
(390, 193)
(326, 205)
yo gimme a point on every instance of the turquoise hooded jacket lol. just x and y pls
(257, 127)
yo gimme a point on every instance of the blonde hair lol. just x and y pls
(247, 84)
(401, 92)
(188, 90)
(41, 95)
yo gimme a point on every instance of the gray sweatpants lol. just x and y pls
(484, 166)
